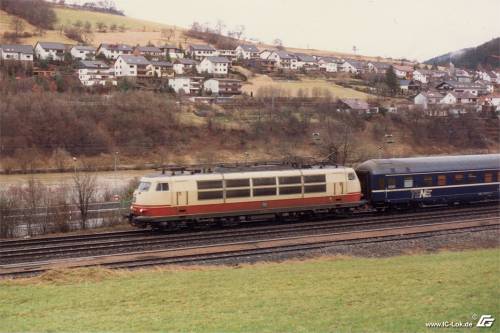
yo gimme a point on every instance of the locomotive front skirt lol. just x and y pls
(194, 197)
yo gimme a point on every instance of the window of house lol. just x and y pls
(162, 187)
(428, 181)
(441, 180)
(488, 177)
(391, 182)
(459, 178)
(408, 181)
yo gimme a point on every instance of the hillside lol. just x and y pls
(486, 55)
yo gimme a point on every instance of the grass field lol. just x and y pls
(307, 85)
(398, 294)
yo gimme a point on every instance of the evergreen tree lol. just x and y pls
(391, 80)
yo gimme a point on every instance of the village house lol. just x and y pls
(159, 69)
(223, 87)
(199, 52)
(427, 98)
(149, 52)
(186, 85)
(214, 65)
(283, 59)
(131, 66)
(248, 51)
(473, 88)
(422, 75)
(353, 66)
(403, 72)
(171, 51)
(354, 105)
(83, 52)
(453, 97)
(16, 53)
(228, 53)
(50, 51)
(113, 51)
(378, 67)
(95, 73)
(182, 66)
(328, 64)
(306, 62)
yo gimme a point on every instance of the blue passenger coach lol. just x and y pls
(422, 181)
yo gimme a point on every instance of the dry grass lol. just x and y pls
(293, 87)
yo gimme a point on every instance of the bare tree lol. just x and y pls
(85, 188)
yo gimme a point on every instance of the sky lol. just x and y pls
(416, 29)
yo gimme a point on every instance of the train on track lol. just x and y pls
(231, 195)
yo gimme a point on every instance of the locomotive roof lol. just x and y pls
(248, 171)
(430, 164)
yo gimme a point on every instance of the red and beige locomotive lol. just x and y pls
(166, 201)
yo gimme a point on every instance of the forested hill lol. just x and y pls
(487, 55)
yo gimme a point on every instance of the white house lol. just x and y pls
(352, 66)
(94, 73)
(149, 52)
(172, 51)
(82, 52)
(247, 51)
(181, 66)
(159, 69)
(186, 85)
(201, 51)
(113, 51)
(422, 75)
(131, 65)
(223, 86)
(427, 98)
(306, 61)
(458, 98)
(283, 59)
(16, 52)
(214, 65)
(50, 51)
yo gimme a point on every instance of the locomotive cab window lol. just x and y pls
(144, 186)
(162, 187)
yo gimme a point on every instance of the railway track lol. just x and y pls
(253, 248)
(108, 243)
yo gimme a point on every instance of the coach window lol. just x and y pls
(391, 182)
(441, 180)
(471, 178)
(408, 181)
(428, 181)
(488, 177)
(381, 183)
(459, 178)
(162, 187)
